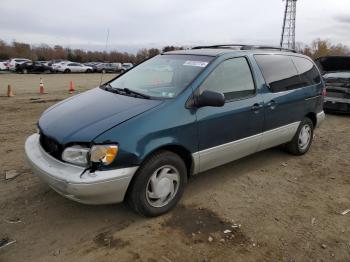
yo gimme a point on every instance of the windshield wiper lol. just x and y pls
(129, 91)
(124, 91)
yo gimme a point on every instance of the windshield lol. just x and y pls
(163, 76)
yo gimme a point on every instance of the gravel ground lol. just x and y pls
(277, 207)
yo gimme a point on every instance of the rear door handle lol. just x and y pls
(256, 107)
(272, 104)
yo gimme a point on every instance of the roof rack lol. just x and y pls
(245, 47)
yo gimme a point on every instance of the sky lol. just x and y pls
(138, 24)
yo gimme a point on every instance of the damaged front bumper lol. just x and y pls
(337, 104)
(76, 183)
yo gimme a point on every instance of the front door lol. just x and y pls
(234, 130)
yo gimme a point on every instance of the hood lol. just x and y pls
(83, 117)
(333, 63)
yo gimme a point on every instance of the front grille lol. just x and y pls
(337, 94)
(338, 82)
(51, 146)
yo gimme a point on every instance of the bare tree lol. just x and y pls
(321, 48)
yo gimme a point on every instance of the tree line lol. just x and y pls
(320, 47)
(45, 52)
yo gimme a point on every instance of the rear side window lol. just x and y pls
(308, 72)
(279, 72)
(232, 78)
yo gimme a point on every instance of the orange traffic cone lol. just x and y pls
(71, 87)
(41, 87)
(9, 91)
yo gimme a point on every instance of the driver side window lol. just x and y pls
(233, 78)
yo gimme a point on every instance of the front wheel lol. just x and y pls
(302, 139)
(158, 184)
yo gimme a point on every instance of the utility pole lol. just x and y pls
(288, 29)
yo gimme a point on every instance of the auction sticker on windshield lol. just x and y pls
(196, 63)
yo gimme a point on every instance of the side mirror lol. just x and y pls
(210, 98)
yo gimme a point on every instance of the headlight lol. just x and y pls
(77, 155)
(104, 154)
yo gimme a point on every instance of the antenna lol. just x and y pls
(107, 38)
(288, 28)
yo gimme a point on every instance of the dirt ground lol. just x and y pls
(277, 207)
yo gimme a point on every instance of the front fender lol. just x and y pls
(166, 125)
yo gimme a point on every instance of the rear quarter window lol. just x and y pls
(279, 72)
(309, 75)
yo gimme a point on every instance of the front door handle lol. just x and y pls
(272, 104)
(256, 107)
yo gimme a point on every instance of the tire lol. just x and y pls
(24, 71)
(161, 167)
(103, 71)
(67, 71)
(88, 71)
(301, 143)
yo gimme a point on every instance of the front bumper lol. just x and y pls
(337, 104)
(99, 187)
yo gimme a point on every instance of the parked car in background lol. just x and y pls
(126, 66)
(55, 64)
(46, 63)
(140, 136)
(336, 74)
(71, 67)
(33, 67)
(16, 61)
(109, 67)
(93, 65)
(56, 61)
(4, 65)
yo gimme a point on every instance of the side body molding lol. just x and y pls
(222, 154)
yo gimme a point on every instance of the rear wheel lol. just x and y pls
(67, 71)
(158, 184)
(303, 138)
(103, 71)
(24, 71)
(88, 71)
